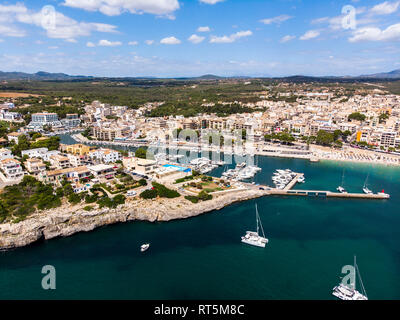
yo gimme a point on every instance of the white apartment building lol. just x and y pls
(35, 153)
(5, 154)
(10, 116)
(35, 166)
(388, 139)
(42, 119)
(59, 161)
(11, 169)
(105, 155)
(75, 160)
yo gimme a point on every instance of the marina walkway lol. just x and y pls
(288, 191)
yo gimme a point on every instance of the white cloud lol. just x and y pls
(385, 8)
(287, 38)
(11, 31)
(211, 1)
(170, 40)
(90, 44)
(63, 28)
(203, 29)
(1, 40)
(391, 33)
(311, 34)
(277, 20)
(194, 38)
(133, 43)
(117, 7)
(17, 8)
(231, 38)
(107, 43)
(149, 42)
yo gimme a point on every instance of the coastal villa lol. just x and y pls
(35, 153)
(81, 187)
(140, 166)
(102, 170)
(35, 166)
(72, 174)
(76, 160)
(105, 155)
(5, 154)
(11, 169)
(13, 136)
(76, 149)
(59, 161)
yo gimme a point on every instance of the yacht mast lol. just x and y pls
(355, 275)
(359, 275)
(259, 223)
(257, 218)
(366, 180)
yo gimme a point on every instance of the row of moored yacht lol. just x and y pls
(282, 178)
(241, 172)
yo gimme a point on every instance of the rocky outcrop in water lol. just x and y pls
(68, 220)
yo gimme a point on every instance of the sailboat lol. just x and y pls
(344, 292)
(254, 238)
(365, 188)
(144, 247)
(341, 189)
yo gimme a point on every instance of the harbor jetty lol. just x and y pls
(288, 191)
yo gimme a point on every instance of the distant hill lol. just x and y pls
(395, 74)
(46, 76)
(41, 75)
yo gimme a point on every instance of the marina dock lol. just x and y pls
(328, 194)
(288, 191)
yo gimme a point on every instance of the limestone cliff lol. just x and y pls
(67, 220)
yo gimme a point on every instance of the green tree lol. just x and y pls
(325, 138)
(337, 134)
(149, 194)
(141, 153)
(357, 116)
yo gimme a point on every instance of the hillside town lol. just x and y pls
(364, 127)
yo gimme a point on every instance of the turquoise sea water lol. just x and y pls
(311, 239)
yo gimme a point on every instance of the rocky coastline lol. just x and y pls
(68, 220)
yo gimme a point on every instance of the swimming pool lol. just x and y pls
(183, 169)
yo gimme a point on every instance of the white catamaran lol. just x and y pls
(344, 292)
(254, 238)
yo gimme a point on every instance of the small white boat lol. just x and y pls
(241, 165)
(367, 191)
(144, 247)
(365, 188)
(349, 292)
(254, 238)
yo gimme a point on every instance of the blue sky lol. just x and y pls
(168, 38)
